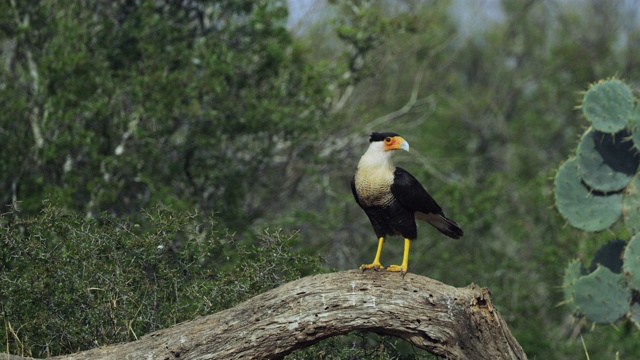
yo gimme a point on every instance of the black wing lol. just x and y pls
(408, 190)
(413, 196)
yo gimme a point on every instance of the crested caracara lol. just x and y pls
(392, 198)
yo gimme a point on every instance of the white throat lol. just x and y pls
(374, 176)
(376, 158)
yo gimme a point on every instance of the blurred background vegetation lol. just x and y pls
(166, 159)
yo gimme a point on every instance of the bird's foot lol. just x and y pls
(398, 268)
(375, 266)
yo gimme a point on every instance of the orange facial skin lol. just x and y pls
(395, 143)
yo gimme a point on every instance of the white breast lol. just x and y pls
(374, 186)
(374, 176)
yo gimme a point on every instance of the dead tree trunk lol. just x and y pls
(456, 323)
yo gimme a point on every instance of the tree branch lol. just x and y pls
(456, 323)
(407, 107)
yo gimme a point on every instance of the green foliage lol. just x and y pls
(362, 345)
(71, 284)
(608, 105)
(580, 206)
(125, 105)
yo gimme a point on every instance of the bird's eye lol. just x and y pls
(387, 140)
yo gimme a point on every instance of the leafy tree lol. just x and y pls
(114, 106)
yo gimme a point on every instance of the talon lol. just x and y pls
(374, 266)
(398, 268)
(404, 268)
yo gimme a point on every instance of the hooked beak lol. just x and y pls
(404, 145)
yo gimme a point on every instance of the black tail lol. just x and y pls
(447, 226)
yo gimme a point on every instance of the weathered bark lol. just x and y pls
(456, 323)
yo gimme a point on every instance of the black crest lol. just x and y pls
(376, 136)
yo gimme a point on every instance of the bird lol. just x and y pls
(393, 199)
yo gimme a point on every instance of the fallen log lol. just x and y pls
(455, 323)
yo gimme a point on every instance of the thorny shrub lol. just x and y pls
(69, 283)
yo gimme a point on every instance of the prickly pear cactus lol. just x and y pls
(601, 296)
(604, 161)
(631, 206)
(581, 207)
(635, 315)
(634, 127)
(608, 105)
(592, 191)
(571, 274)
(631, 262)
(589, 191)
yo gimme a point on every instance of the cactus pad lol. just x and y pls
(581, 207)
(601, 297)
(609, 255)
(635, 314)
(608, 105)
(631, 261)
(607, 161)
(634, 126)
(631, 206)
(571, 274)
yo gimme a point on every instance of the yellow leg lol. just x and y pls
(404, 268)
(376, 262)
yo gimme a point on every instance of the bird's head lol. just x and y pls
(389, 141)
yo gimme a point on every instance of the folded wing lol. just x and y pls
(413, 196)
